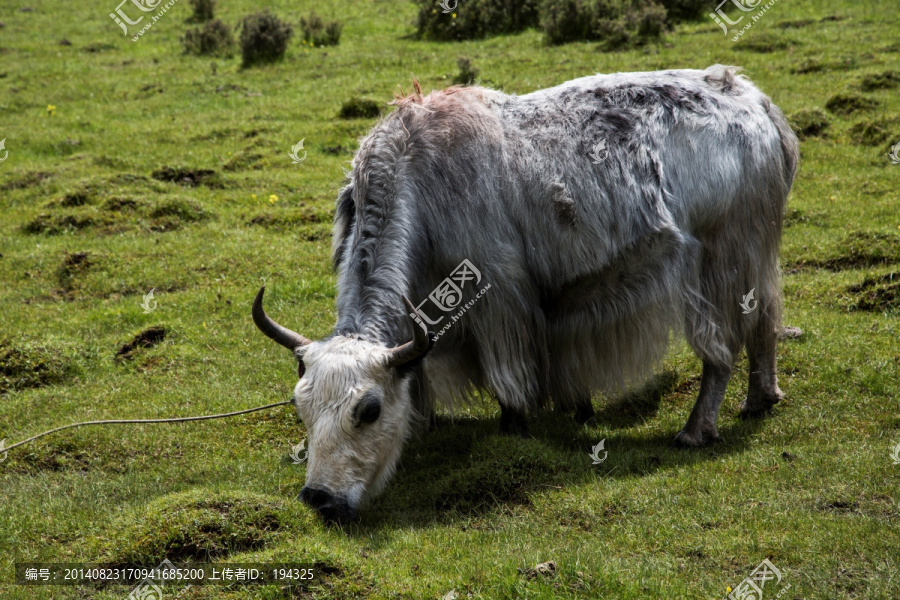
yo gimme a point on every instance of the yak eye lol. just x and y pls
(301, 369)
(369, 408)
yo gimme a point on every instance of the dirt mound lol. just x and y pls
(876, 294)
(56, 224)
(188, 177)
(72, 267)
(26, 366)
(845, 104)
(879, 81)
(859, 250)
(146, 339)
(809, 122)
(196, 525)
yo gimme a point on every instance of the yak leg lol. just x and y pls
(700, 428)
(512, 421)
(763, 391)
(584, 410)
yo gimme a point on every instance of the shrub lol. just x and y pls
(264, 38)
(359, 108)
(615, 23)
(214, 38)
(467, 73)
(203, 10)
(685, 10)
(473, 19)
(319, 33)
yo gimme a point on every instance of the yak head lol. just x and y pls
(354, 398)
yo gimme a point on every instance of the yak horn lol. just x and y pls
(419, 345)
(284, 336)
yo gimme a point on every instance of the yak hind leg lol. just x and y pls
(700, 428)
(763, 391)
(512, 421)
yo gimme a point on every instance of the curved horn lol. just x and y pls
(418, 346)
(287, 338)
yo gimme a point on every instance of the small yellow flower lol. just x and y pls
(50, 110)
(453, 16)
(273, 199)
(253, 197)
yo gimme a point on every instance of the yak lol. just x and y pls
(598, 220)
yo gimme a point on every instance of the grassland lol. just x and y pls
(104, 196)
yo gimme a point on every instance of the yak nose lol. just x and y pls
(333, 509)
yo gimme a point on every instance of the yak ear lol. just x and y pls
(344, 217)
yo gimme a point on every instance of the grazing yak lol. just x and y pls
(591, 220)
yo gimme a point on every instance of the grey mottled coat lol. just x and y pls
(593, 257)
(591, 263)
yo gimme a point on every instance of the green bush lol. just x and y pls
(264, 38)
(685, 10)
(214, 38)
(318, 33)
(615, 23)
(204, 10)
(474, 19)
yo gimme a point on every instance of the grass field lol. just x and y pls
(95, 126)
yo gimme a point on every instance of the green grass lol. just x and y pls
(812, 488)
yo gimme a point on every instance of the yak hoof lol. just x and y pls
(512, 422)
(584, 413)
(758, 405)
(698, 439)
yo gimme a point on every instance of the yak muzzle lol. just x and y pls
(332, 509)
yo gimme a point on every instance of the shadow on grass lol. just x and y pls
(464, 470)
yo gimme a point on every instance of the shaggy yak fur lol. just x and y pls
(605, 214)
